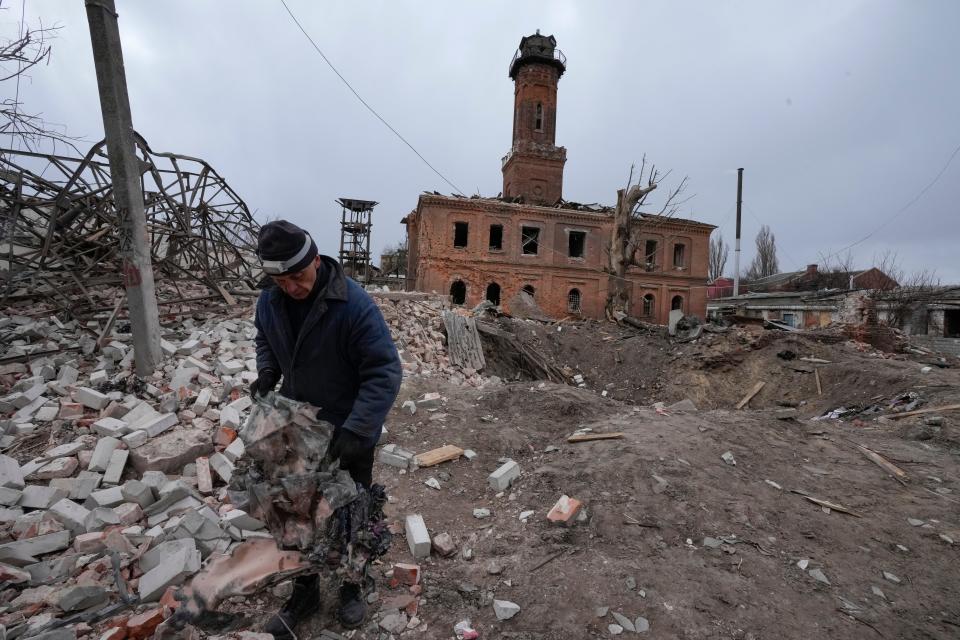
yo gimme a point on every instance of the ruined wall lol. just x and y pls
(551, 272)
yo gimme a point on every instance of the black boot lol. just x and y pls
(304, 602)
(353, 607)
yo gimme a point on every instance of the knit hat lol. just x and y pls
(284, 248)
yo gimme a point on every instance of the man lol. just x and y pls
(325, 336)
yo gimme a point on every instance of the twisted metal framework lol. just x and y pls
(58, 218)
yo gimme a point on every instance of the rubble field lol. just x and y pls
(635, 500)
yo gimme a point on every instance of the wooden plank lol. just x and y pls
(899, 474)
(588, 437)
(229, 299)
(436, 456)
(747, 398)
(463, 341)
(919, 412)
(816, 377)
(105, 334)
(833, 506)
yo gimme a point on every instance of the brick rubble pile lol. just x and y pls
(113, 487)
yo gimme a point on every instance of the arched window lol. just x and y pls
(648, 304)
(676, 303)
(538, 122)
(529, 289)
(458, 292)
(573, 301)
(493, 293)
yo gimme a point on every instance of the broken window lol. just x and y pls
(576, 243)
(496, 237)
(461, 231)
(676, 303)
(458, 292)
(650, 254)
(678, 255)
(538, 122)
(493, 293)
(648, 304)
(528, 288)
(530, 240)
(573, 301)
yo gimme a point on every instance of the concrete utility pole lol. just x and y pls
(736, 250)
(127, 191)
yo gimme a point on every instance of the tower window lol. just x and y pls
(648, 305)
(458, 292)
(493, 293)
(461, 231)
(576, 243)
(538, 121)
(529, 290)
(676, 303)
(573, 301)
(496, 237)
(679, 251)
(530, 240)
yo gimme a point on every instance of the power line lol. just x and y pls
(901, 209)
(364, 102)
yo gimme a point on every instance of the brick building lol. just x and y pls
(530, 239)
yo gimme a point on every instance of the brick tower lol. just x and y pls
(533, 168)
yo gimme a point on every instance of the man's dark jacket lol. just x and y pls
(344, 360)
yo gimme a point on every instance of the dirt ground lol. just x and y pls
(652, 497)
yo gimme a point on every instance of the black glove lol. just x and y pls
(348, 447)
(266, 380)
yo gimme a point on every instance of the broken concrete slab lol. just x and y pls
(504, 609)
(14, 552)
(171, 451)
(40, 497)
(78, 597)
(10, 474)
(159, 554)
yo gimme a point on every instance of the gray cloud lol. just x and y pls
(840, 112)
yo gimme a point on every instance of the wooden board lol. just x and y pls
(833, 506)
(918, 412)
(436, 456)
(588, 437)
(747, 398)
(899, 474)
(463, 341)
(816, 376)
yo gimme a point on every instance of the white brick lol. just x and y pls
(158, 425)
(135, 439)
(502, 478)
(222, 466)
(70, 514)
(110, 427)
(229, 417)
(234, 450)
(91, 398)
(10, 474)
(418, 537)
(102, 453)
(118, 460)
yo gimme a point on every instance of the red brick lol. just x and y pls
(114, 633)
(224, 436)
(142, 625)
(408, 574)
(565, 510)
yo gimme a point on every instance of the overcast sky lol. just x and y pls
(841, 112)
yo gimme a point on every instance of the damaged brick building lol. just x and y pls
(530, 239)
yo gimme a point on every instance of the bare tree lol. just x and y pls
(833, 271)
(719, 252)
(30, 48)
(913, 293)
(633, 215)
(765, 261)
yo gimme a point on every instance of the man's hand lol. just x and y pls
(348, 447)
(266, 380)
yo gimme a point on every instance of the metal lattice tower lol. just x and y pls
(355, 226)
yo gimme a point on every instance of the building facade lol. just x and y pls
(530, 240)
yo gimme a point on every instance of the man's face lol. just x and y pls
(299, 285)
